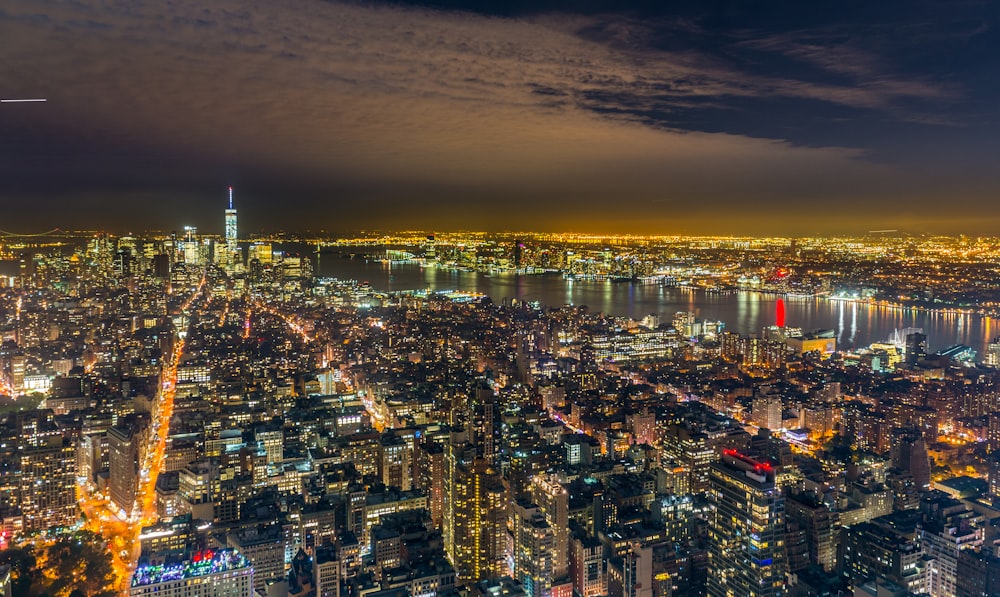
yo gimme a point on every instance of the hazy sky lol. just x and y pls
(645, 117)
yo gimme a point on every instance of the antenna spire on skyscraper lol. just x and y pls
(230, 197)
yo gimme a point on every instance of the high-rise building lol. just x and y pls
(272, 437)
(123, 461)
(631, 573)
(326, 572)
(949, 527)
(916, 347)
(46, 467)
(228, 256)
(430, 479)
(586, 564)
(231, 230)
(819, 525)
(474, 512)
(169, 538)
(994, 474)
(684, 323)
(878, 549)
(161, 266)
(17, 370)
(993, 432)
(431, 248)
(767, 411)
(395, 462)
(533, 545)
(262, 252)
(978, 573)
(692, 450)
(553, 500)
(992, 356)
(265, 548)
(642, 426)
(190, 248)
(746, 532)
(910, 454)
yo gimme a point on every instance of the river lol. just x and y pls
(855, 324)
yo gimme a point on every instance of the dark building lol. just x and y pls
(978, 574)
(916, 347)
(123, 474)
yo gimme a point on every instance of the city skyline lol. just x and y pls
(182, 412)
(443, 298)
(592, 117)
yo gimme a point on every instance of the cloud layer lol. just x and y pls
(335, 115)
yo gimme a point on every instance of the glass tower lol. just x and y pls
(231, 222)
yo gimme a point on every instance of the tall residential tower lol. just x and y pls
(746, 534)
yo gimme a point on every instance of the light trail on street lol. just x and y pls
(289, 320)
(121, 534)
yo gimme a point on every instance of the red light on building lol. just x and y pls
(756, 464)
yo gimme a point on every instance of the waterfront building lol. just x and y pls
(992, 357)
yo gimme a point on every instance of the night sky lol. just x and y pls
(738, 117)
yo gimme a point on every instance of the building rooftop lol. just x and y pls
(201, 564)
(962, 487)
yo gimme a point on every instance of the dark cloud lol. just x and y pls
(642, 117)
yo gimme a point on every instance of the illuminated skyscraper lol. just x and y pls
(46, 472)
(746, 551)
(532, 549)
(474, 512)
(231, 230)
